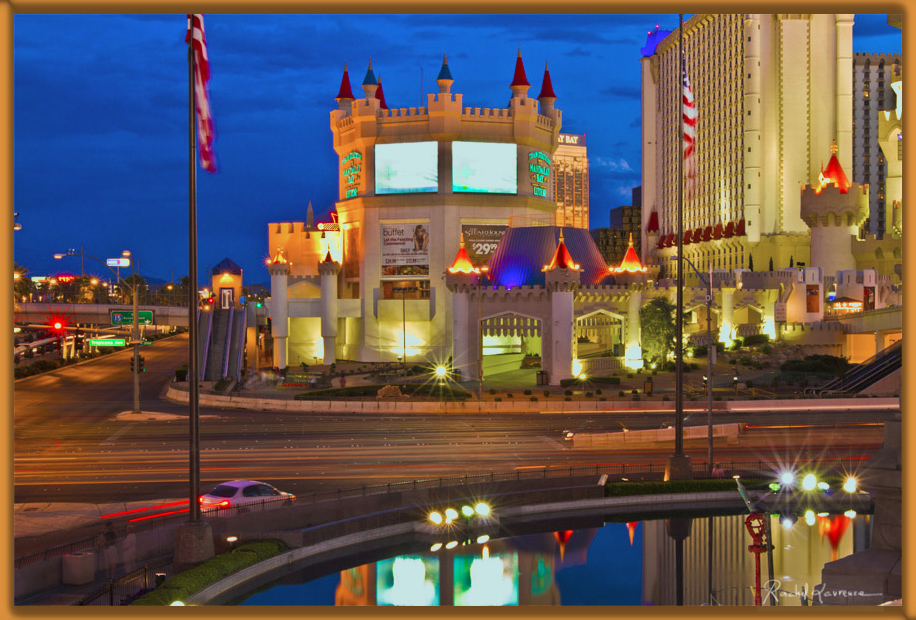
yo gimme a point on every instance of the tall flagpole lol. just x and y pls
(193, 373)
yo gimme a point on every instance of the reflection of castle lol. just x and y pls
(800, 551)
(499, 572)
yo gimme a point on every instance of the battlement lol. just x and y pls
(415, 113)
(487, 113)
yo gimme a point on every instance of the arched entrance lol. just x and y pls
(510, 341)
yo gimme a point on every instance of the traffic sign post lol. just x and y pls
(126, 317)
(107, 342)
(118, 262)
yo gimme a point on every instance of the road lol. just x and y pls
(71, 444)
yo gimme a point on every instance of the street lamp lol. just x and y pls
(710, 351)
(135, 331)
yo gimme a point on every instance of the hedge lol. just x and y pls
(181, 586)
(410, 389)
(576, 381)
(653, 487)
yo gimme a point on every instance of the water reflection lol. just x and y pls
(695, 561)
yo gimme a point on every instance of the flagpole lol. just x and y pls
(193, 373)
(678, 464)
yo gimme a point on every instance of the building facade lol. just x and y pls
(570, 181)
(873, 93)
(772, 93)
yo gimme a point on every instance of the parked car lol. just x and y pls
(236, 493)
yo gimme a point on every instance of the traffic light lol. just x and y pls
(259, 304)
(131, 363)
(142, 367)
(78, 338)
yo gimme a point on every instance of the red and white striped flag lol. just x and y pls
(201, 76)
(690, 134)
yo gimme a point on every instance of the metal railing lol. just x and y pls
(126, 589)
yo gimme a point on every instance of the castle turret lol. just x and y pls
(380, 94)
(547, 96)
(370, 84)
(562, 280)
(345, 93)
(445, 80)
(327, 271)
(520, 83)
(309, 217)
(834, 209)
(279, 270)
(461, 278)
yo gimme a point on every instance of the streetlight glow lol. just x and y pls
(467, 511)
(435, 517)
(809, 482)
(850, 485)
(482, 509)
(440, 371)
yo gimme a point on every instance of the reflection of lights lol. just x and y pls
(467, 511)
(823, 486)
(450, 513)
(787, 478)
(177, 604)
(810, 517)
(435, 517)
(452, 544)
(436, 547)
(809, 482)
(787, 523)
(485, 537)
(482, 509)
(823, 514)
(850, 513)
(850, 485)
(440, 371)
(231, 539)
(576, 368)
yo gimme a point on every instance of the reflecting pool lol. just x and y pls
(689, 561)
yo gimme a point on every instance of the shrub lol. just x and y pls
(527, 392)
(756, 339)
(546, 393)
(749, 384)
(179, 587)
(498, 399)
(745, 360)
(568, 392)
(629, 375)
(634, 391)
(222, 384)
(736, 345)
(599, 392)
(620, 393)
(635, 396)
(666, 397)
(567, 399)
(766, 349)
(509, 395)
(533, 399)
(603, 398)
(588, 394)
(492, 391)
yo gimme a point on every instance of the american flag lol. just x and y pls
(690, 133)
(201, 76)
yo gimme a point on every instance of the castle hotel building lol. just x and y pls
(772, 93)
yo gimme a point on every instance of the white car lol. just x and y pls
(243, 492)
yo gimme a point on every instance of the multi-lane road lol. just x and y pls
(73, 441)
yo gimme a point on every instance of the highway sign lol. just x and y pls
(118, 262)
(146, 343)
(126, 317)
(107, 342)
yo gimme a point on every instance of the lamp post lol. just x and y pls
(403, 290)
(135, 331)
(710, 351)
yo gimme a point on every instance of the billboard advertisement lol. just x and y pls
(406, 168)
(407, 580)
(405, 250)
(484, 168)
(480, 241)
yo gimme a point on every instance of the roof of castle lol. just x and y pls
(546, 85)
(345, 91)
(462, 262)
(523, 251)
(519, 78)
(833, 174)
(631, 262)
(380, 94)
(444, 73)
(370, 80)
(227, 266)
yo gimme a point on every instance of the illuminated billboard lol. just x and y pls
(481, 240)
(405, 250)
(484, 168)
(407, 580)
(486, 579)
(406, 168)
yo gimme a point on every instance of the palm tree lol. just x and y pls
(22, 284)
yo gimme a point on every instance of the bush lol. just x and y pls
(222, 384)
(634, 391)
(567, 399)
(527, 392)
(533, 399)
(666, 397)
(629, 375)
(620, 393)
(509, 395)
(635, 396)
(492, 391)
(818, 363)
(603, 398)
(736, 345)
(756, 339)
(568, 392)
(749, 384)
(179, 587)
(588, 394)
(599, 392)
(766, 349)
(546, 393)
(498, 399)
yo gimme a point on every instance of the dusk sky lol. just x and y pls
(101, 118)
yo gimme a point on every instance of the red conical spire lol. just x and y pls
(380, 94)
(345, 91)
(462, 262)
(833, 173)
(562, 259)
(546, 85)
(630, 262)
(519, 78)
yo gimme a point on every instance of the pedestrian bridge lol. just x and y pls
(95, 314)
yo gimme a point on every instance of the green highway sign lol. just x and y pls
(126, 317)
(146, 343)
(107, 342)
